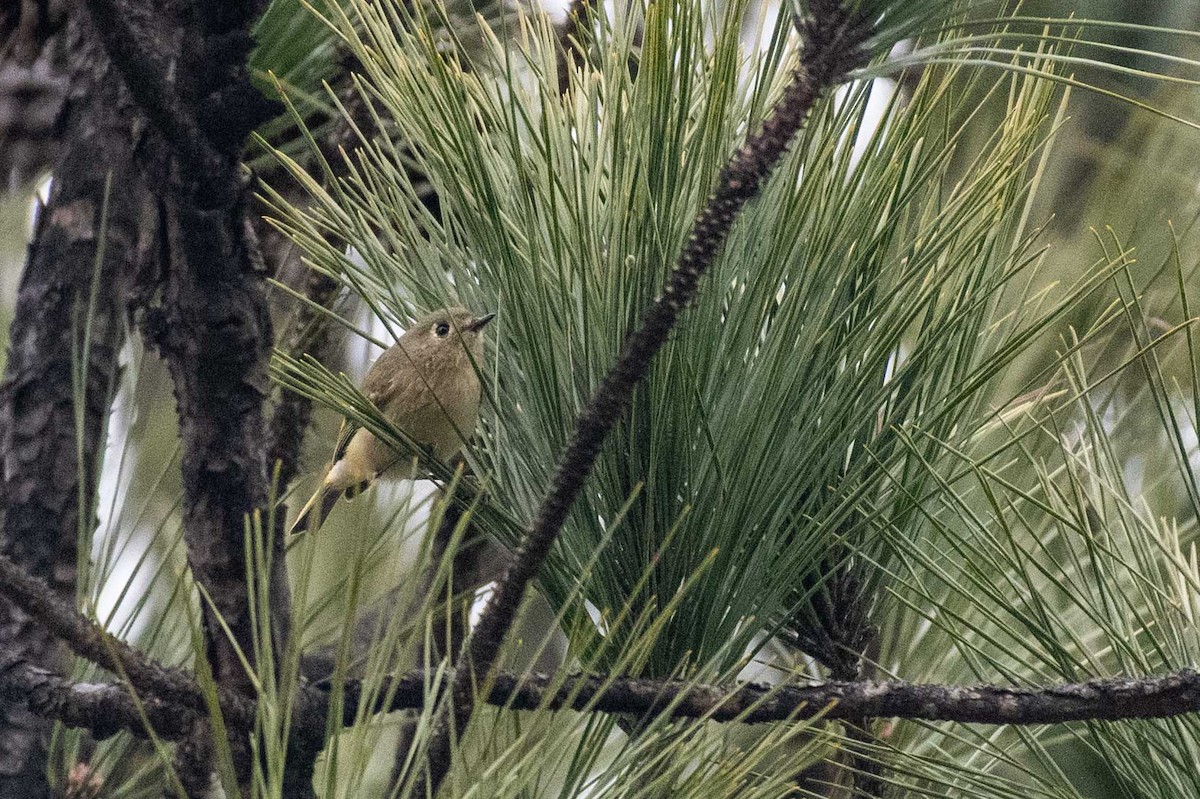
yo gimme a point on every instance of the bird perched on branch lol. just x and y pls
(427, 384)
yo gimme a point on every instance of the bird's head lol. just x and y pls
(455, 328)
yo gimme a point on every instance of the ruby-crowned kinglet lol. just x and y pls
(427, 385)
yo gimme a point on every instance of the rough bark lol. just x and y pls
(34, 64)
(213, 330)
(1109, 699)
(101, 709)
(42, 479)
(205, 308)
(90, 641)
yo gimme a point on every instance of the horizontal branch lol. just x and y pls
(107, 707)
(1109, 699)
(102, 708)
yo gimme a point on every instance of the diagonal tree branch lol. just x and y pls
(90, 641)
(832, 49)
(145, 70)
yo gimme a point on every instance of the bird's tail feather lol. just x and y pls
(327, 497)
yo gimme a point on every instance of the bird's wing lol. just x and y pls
(391, 383)
(345, 433)
(394, 382)
(404, 400)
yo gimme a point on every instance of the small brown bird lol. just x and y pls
(427, 385)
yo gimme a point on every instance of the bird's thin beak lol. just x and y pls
(481, 322)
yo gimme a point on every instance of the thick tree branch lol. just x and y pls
(832, 49)
(1110, 699)
(205, 147)
(89, 641)
(106, 707)
(145, 71)
(205, 309)
(103, 709)
(67, 330)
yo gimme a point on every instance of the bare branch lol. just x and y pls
(106, 707)
(103, 709)
(1109, 699)
(88, 640)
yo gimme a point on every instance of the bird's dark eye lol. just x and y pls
(442, 329)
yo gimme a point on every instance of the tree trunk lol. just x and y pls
(43, 480)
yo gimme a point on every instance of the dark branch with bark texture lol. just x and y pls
(90, 641)
(145, 70)
(204, 309)
(105, 708)
(1112, 699)
(147, 57)
(832, 49)
(206, 312)
(97, 205)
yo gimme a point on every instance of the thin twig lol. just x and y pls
(832, 49)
